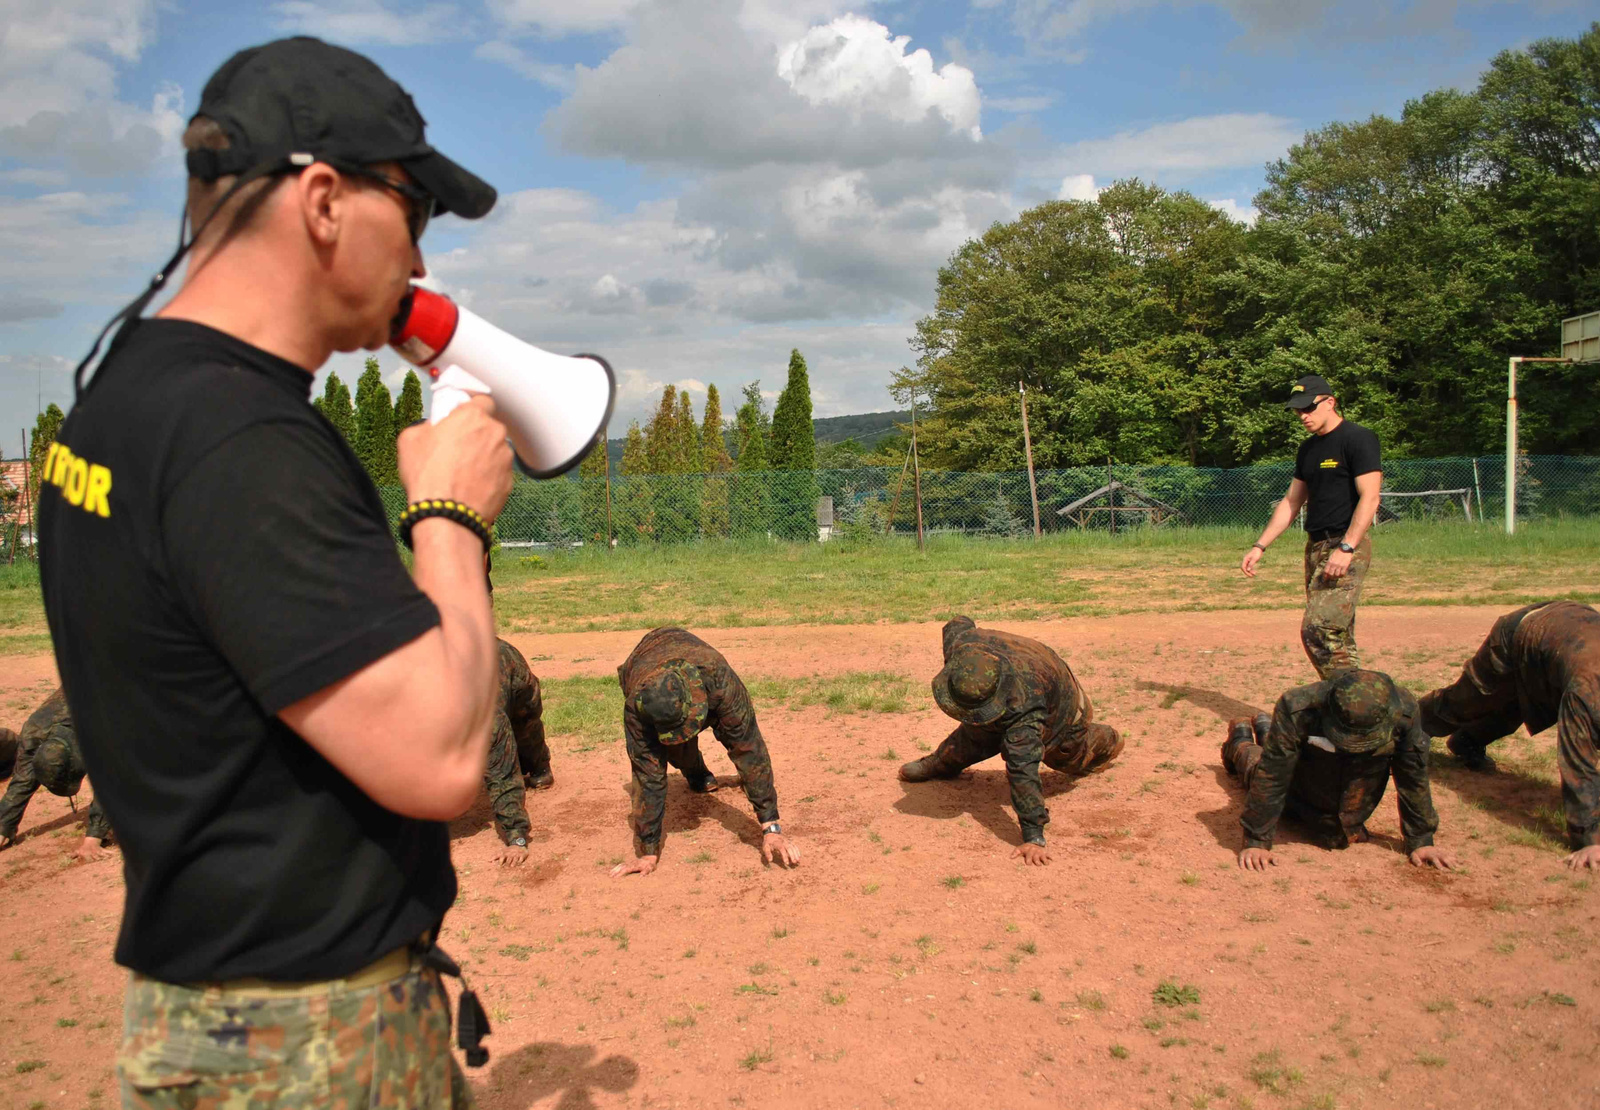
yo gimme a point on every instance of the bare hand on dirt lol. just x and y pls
(1436, 857)
(464, 458)
(91, 850)
(1584, 858)
(1256, 859)
(1035, 855)
(512, 855)
(774, 847)
(641, 866)
(1250, 560)
(1338, 565)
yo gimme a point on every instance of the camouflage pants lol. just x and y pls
(1328, 630)
(1084, 753)
(327, 1046)
(1332, 822)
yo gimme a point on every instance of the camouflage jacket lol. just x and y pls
(1045, 709)
(50, 720)
(516, 718)
(1555, 653)
(729, 715)
(1336, 792)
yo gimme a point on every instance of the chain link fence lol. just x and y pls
(876, 501)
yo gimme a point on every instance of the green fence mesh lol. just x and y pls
(873, 501)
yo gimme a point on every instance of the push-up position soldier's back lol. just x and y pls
(47, 755)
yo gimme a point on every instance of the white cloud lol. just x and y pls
(1184, 146)
(1078, 186)
(1239, 213)
(353, 22)
(857, 63)
(58, 95)
(76, 248)
(558, 77)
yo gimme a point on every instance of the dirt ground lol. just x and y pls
(910, 961)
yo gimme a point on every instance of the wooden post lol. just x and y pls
(605, 446)
(1111, 494)
(894, 505)
(16, 527)
(916, 469)
(1027, 444)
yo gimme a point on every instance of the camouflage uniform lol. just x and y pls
(1327, 758)
(60, 772)
(1539, 666)
(1328, 629)
(1017, 698)
(709, 695)
(368, 1041)
(518, 755)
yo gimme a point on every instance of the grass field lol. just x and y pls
(729, 585)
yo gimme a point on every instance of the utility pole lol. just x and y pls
(1027, 443)
(1511, 437)
(916, 469)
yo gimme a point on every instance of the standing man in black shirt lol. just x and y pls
(1339, 480)
(277, 718)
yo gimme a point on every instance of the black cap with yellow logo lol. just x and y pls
(1304, 393)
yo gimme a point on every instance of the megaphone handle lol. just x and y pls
(445, 400)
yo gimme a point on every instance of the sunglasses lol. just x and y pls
(1312, 407)
(419, 202)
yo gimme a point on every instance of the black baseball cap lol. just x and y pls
(1304, 393)
(297, 100)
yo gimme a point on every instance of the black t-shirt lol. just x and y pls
(213, 552)
(1329, 466)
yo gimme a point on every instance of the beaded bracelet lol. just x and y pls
(464, 515)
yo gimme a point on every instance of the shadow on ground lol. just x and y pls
(1221, 704)
(985, 796)
(535, 1072)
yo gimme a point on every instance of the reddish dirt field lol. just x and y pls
(910, 961)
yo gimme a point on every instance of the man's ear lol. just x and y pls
(321, 191)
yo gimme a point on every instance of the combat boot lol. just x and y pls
(706, 785)
(1472, 753)
(538, 780)
(1241, 731)
(926, 768)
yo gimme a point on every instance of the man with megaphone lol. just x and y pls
(278, 719)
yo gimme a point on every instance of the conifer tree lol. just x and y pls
(630, 503)
(794, 452)
(661, 433)
(686, 438)
(408, 409)
(715, 464)
(335, 405)
(750, 434)
(45, 428)
(592, 492)
(374, 440)
(748, 495)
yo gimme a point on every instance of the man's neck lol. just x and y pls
(1334, 423)
(244, 294)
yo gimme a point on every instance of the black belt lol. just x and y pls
(1324, 534)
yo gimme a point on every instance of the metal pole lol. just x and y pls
(1511, 446)
(1477, 486)
(1027, 443)
(894, 506)
(916, 469)
(605, 445)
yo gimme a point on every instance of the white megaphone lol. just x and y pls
(556, 407)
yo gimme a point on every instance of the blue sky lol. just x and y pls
(693, 187)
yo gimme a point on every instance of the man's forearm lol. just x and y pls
(1282, 517)
(1361, 520)
(449, 569)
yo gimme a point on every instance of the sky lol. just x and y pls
(694, 187)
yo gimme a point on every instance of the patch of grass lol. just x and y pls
(954, 882)
(1557, 999)
(755, 988)
(1035, 996)
(1174, 1042)
(779, 932)
(586, 708)
(757, 1057)
(833, 998)
(1118, 1052)
(702, 856)
(1440, 1006)
(1028, 947)
(858, 692)
(1428, 1060)
(759, 969)
(30, 1065)
(1169, 993)
(1092, 1000)
(889, 753)
(1154, 1024)
(1189, 878)
(688, 953)
(683, 1022)
(66, 1023)
(1268, 1072)
(869, 888)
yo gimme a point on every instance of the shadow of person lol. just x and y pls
(1509, 794)
(983, 795)
(536, 1071)
(686, 810)
(1223, 823)
(475, 820)
(1221, 704)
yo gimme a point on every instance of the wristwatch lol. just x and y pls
(1346, 548)
(518, 842)
(773, 829)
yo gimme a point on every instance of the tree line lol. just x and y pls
(1403, 259)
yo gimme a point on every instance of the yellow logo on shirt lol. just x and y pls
(1329, 464)
(85, 485)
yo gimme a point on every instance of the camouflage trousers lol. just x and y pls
(1328, 629)
(1088, 752)
(342, 1045)
(1334, 822)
